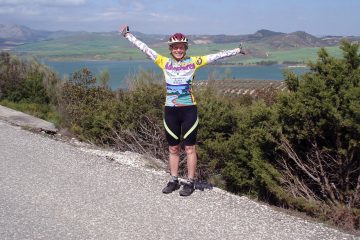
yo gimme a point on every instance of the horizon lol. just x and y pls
(229, 17)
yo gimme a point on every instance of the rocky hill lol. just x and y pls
(278, 40)
(295, 40)
(13, 35)
(17, 33)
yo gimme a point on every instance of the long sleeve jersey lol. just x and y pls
(179, 75)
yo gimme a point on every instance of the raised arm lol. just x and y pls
(124, 30)
(225, 53)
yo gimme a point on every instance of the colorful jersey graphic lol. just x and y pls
(179, 75)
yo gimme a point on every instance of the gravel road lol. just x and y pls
(54, 190)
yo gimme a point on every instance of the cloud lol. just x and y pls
(25, 11)
(138, 7)
(142, 5)
(7, 10)
(110, 13)
(49, 3)
(165, 18)
(104, 17)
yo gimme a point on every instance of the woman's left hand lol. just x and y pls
(124, 29)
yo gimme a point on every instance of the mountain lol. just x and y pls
(276, 40)
(20, 33)
(205, 39)
(264, 33)
(335, 40)
(13, 35)
(295, 40)
(262, 44)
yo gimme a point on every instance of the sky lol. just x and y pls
(232, 17)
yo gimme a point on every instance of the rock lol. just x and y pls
(26, 120)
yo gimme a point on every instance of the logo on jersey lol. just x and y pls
(199, 61)
(169, 66)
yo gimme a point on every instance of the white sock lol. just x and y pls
(174, 178)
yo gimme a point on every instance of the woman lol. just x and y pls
(180, 118)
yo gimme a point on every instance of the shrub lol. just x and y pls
(139, 112)
(88, 110)
(246, 169)
(28, 86)
(23, 80)
(125, 120)
(319, 148)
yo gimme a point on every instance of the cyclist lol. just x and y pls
(180, 117)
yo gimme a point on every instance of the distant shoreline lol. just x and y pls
(297, 66)
(300, 65)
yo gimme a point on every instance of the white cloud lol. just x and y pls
(25, 11)
(110, 13)
(174, 18)
(55, 3)
(138, 7)
(30, 12)
(7, 10)
(76, 19)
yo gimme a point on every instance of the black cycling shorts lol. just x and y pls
(181, 124)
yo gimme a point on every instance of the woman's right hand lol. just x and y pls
(242, 50)
(124, 29)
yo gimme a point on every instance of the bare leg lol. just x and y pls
(191, 160)
(174, 159)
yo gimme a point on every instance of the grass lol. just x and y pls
(44, 111)
(103, 47)
(301, 55)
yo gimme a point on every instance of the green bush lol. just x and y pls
(246, 169)
(27, 81)
(88, 110)
(33, 90)
(28, 86)
(216, 124)
(125, 120)
(319, 150)
(302, 151)
(232, 132)
(145, 97)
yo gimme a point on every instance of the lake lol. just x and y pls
(120, 70)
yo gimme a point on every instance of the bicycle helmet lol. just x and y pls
(178, 38)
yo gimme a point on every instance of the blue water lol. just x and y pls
(120, 70)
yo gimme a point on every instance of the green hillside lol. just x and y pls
(111, 46)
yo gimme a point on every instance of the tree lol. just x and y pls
(320, 119)
(24, 80)
(104, 78)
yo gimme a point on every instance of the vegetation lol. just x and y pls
(302, 151)
(113, 47)
(319, 144)
(297, 149)
(128, 120)
(28, 86)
